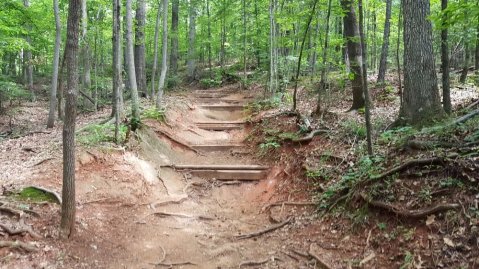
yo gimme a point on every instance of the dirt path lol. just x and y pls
(207, 213)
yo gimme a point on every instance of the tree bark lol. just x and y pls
(71, 53)
(465, 67)
(209, 34)
(85, 49)
(421, 102)
(273, 49)
(446, 92)
(164, 57)
(56, 60)
(135, 110)
(140, 65)
(155, 53)
(351, 33)
(385, 48)
(191, 66)
(174, 37)
(28, 59)
(324, 67)
(116, 66)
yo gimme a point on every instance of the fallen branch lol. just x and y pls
(58, 198)
(172, 138)
(253, 263)
(310, 136)
(179, 215)
(269, 206)
(42, 161)
(418, 213)
(87, 97)
(267, 230)
(473, 104)
(171, 264)
(466, 117)
(17, 244)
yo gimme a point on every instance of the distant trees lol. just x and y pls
(56, 62)
(383, 61)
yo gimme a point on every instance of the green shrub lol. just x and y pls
(154, 113)
(11, 91)
(99, 133)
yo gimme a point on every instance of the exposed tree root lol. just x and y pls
(283, 203)
(19, 245)
(42, 161)
(23, 229)
(419, 213)
(172, 138)
(53, 193)
(266, 230)
(168, 214)
(310, 136)
(312, 253)
(254, 263)
(163, 203)
(11, 211)
(414, 162)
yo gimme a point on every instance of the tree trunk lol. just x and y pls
(244, 42)
(56, 60)
(446, 93)
(223, 36)
(140, 65)
(465, 67)
(385, 48)
(116, 66)
(191, 67)
(324, 67)
(135, 110)
(476, 54)
(421, 102)
(155, 53)
(164, 56)
(209, 34)
(85, 50)
(273, 50)
(351, 33)
(28, 59)
(71, 53)
(174, 37)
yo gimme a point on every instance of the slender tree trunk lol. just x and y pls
(257, 49)
(174, 37)
(421, 102)
(209, 34)
(67, 225)
(164, 57)
(244, 42)
(324, 67)
(28, 59)
(155, 53)
(56, 60)
(140, 64)
(351, 33)
(135, 110)
(367, 107)
(398, 62)
(191, 67)
(385, 48)
(85, 50)
(298, 69)
(476, 52)
(116, 66)
(60, 90)
(465, 67)
(273, 56)
(446, 93)
(223, 35)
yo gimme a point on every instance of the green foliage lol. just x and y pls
(265, 104)
(396, 136)
(154, 113)
(10, 91)
(210, 83)
(172, 82)
(451, 182)
(408, 261)
(95, 134)
(354, 129)
(34, 195)
(270, 144)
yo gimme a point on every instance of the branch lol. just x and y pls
(267, 230)
(409, 163)
(87, 97)
(466, 117)
(269, 206)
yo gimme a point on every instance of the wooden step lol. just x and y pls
(216, 147)
(219, 126)
(246, 175)
(223, 107)
(217, 167)
(220, 100)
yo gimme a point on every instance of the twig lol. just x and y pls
(53, 193)
(167, 214)
(164, 255)
(253, 263)
(300, 253)
(269, 206)
(418, 213)
(42, 161)
(17, 244)
(266, 230)
(171, 264)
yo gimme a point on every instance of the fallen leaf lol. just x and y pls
(448, 242)
(430, 220)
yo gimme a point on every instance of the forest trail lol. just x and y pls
(204, 200)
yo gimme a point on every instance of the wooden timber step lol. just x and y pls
(218, 100)
(216, 147)
(220, 126)
(231, 107)
(246, 175)
(217, 167)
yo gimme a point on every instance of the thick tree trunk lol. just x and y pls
(385, 48)
(446, 93)
(174, 37)
(164, 56)
(155, 53)
(116, 66)
(351, 33)
(56, 62)
(71, 54)
(421, 102)
(191, 66)
(135, 110)
(140, 65)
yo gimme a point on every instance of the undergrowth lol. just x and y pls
(95, 134)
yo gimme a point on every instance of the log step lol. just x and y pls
(216, 147)
(217, 167)
(223, 107)
(246, 175)
(216, 100)
(216, 126)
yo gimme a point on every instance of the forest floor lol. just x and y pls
(136, 207)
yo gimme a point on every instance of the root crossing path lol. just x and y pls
(203, 195)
